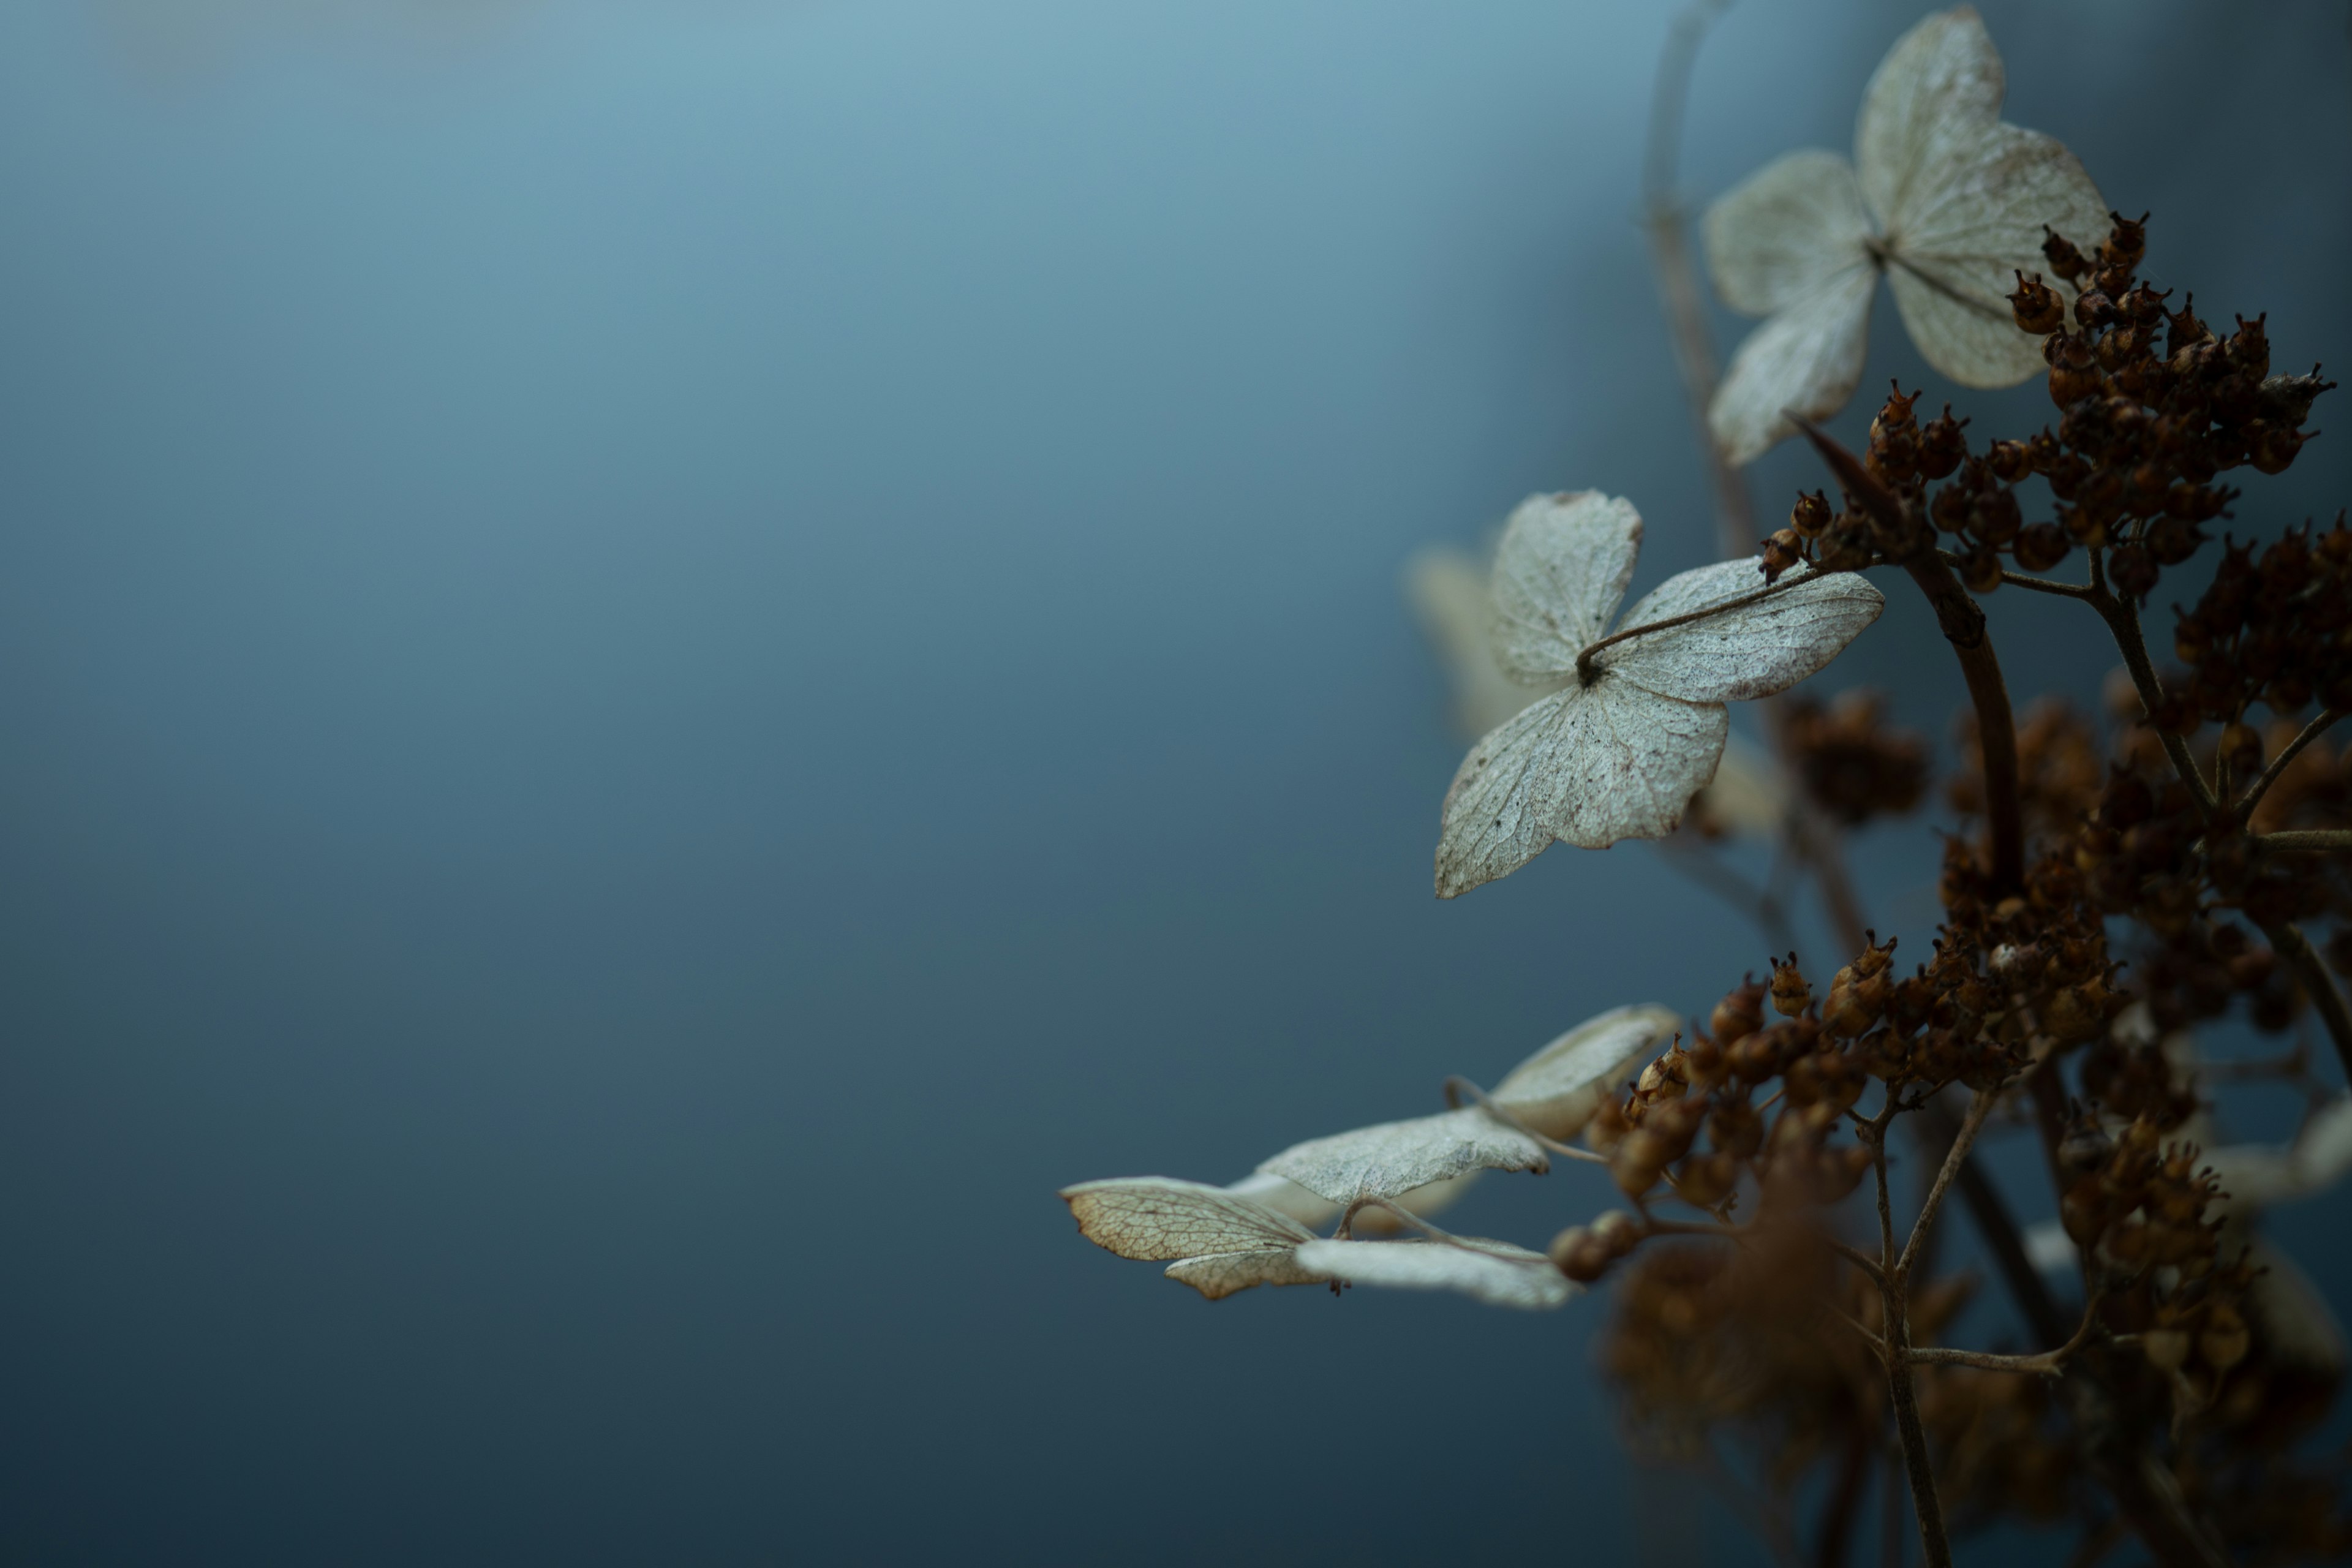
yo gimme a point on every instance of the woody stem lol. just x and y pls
(1962, 621)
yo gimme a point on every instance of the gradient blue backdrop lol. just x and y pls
(658, 662)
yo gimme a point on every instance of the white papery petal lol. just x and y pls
(2262, 1175)
(1753, 651)
(1587, 765)
(1936, 88)
(1284, 1197)
(2050, 1249)
(1808, 358)
(1448, 589)
(1495, 1272)
(1785, 230)
(1954, 268)
(1159, 1217)
(1748, 794)
(2298, 1325)
(1557, 1089)
(1394, 1158)
(1221, 1274)
(1561, 569)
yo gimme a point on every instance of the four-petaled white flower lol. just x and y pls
(1943, 196)
(1619, 750)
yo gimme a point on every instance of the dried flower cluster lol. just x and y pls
(2113, 890)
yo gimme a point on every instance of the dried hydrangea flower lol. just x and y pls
(1943, 196)
(1493, 1272)
(1620, 750)
(1213, 1240)
(1447, 587)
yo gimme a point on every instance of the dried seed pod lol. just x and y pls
(2036, 306)
(1790, 994)
(1739, 1015)
(2041, 546)
(1810, 515)
(1783, 551)
(1941, 445)
(2065, 261)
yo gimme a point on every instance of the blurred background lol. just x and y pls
(661, 662)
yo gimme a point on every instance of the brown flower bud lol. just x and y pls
(1781, 553)
(1739, 1015)
(2093, 309)
(2272, 448)
(2036, 306)
(1578, 1254)
(1980, 569)
(1810, 515)
(1941, 445)
(2065, 260)
(2242, 749)
(2250, 348)
(2167, 1349)
(2042, 546)
(2223, 1341)
(2126, 242)
(1790, 993)
(2011, 461)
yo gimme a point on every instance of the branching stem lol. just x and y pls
(2270, 775)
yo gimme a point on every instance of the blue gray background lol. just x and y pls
(658, 662)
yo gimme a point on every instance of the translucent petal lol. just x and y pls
(2298, 1328)
(1561, 569)
(1391, 1159)
(1750, 652)
(1557, 1089)
(1785, 230)
(2261, 1175)
(1220, 1274)
(1448, 589)
(1938, 87)
(1284, 1197)
(1159, 1217)
(1748, 794)
(1978, 225)
(1495, 1272)
(1588, 765)
(1808, 358)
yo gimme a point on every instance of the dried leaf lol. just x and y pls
(1222, 1242)
(1753, 651)
(1495, 1272)
(1557, 1089)
(1562, 567)
(1391, 1159)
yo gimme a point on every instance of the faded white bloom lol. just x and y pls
(1495, 1272)
(1394, 1158)
(1943, 196)
(1447, 588)
(1619, 756)
(2264, 1175)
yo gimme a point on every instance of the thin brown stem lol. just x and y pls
(2307, 841)
(2270, 775)
(2123, 620)
(1970, 1125)
(1585, 668)
(2049, 1364)
(1456, 1086)
(1924, 1502)
(1962, 620)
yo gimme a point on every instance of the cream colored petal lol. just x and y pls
(1977, 225)
(1588, 765)
(2262, 1175)
(1394, 1158)
(1746, 653)
(1935, 89)
(1220, 1274)
(1748, 795)
(1448, 591)
(2296, 1322)
(1557, 1089)
(1434, 1198)
(1561, 569)
(1493, 1272)
(1784, 231)
(1285, 1198)
(1159, 1217)
(1808, 358)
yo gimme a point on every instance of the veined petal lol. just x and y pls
(1219, 1274)
(1977, 224)
(1747, 653)
(1785, 230)
(1449, 590)
(1808, 358)
(1493, 1272)
(1557, 1089)
(1589, 764)
(1561, 569)
(1934, 93)
(1394, 1158)
(1159, 1217)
